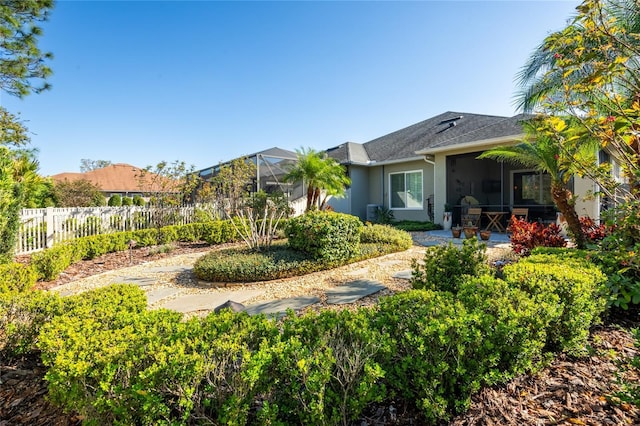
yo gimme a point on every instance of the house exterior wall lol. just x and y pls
(419, 214)
(359, 197)
(586, 207)
(354, 202)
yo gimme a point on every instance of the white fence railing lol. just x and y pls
(42, 228)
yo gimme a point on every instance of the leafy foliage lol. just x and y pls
(321, 174)
(575, 285)
(527, 235)
(77, 193)
(325, 235)
(281, 261)
(22, 63)
(444, 267)
(115, 200)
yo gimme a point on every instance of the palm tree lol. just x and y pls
(602, 31)
(541, 152)
(320, 174)
(590, 71)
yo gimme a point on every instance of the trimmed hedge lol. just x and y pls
(325, 236)
(576, 285)
(49, 263)
(280, 261)
(16, 277)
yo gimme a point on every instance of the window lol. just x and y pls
(530, 187)
(406, 190)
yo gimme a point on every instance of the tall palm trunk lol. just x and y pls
(310, 193)
(562, 197)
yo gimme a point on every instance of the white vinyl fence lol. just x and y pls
(42, 228)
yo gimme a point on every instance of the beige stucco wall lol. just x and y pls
(586, 203)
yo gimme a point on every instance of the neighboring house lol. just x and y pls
(122, 179)
(416, 170)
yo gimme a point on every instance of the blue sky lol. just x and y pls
(204, 82)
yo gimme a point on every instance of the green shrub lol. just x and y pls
(49, 263)
(115, 200)
(138, 200)
(578, 286)
(218, 232)
(327, 368)
(22, 315)
(127, 201)
(415, 226)
(117, 363)
(16, 277)
(386, 235)
(445, 266)
(325, 235)
(243, 265)
(431, 338)
(514, 328)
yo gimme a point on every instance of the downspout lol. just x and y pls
(427, 159)
(382, 187)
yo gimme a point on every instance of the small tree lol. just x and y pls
(77, 193)
(320, 174)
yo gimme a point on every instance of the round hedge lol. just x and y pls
(282, 261)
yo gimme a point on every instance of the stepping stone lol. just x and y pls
(139, 281)
(403, 275)
(208, 301)
(353, 291)
(279, 307)
(230, 304)
(161, 269)
(162, 293)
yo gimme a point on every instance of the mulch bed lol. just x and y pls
(568, 392)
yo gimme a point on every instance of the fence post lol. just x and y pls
(48, 219)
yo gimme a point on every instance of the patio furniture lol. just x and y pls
(495, 221)
(520, 212)
(473, 216)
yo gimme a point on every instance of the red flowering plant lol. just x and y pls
(593, 231)
(527, 235)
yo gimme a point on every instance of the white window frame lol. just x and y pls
(405, 173)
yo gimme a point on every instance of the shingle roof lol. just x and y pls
(349, 153)
(118, 177)
(448, 129)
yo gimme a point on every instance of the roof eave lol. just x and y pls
(472, 145)
(400, 160)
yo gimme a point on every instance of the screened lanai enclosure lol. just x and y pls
(497, 187)
(271, 166)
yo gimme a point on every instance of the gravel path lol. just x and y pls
(172, 277)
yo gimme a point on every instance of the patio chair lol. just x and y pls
(473, 215)
(520, 212)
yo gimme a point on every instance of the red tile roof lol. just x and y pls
(120, 177)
